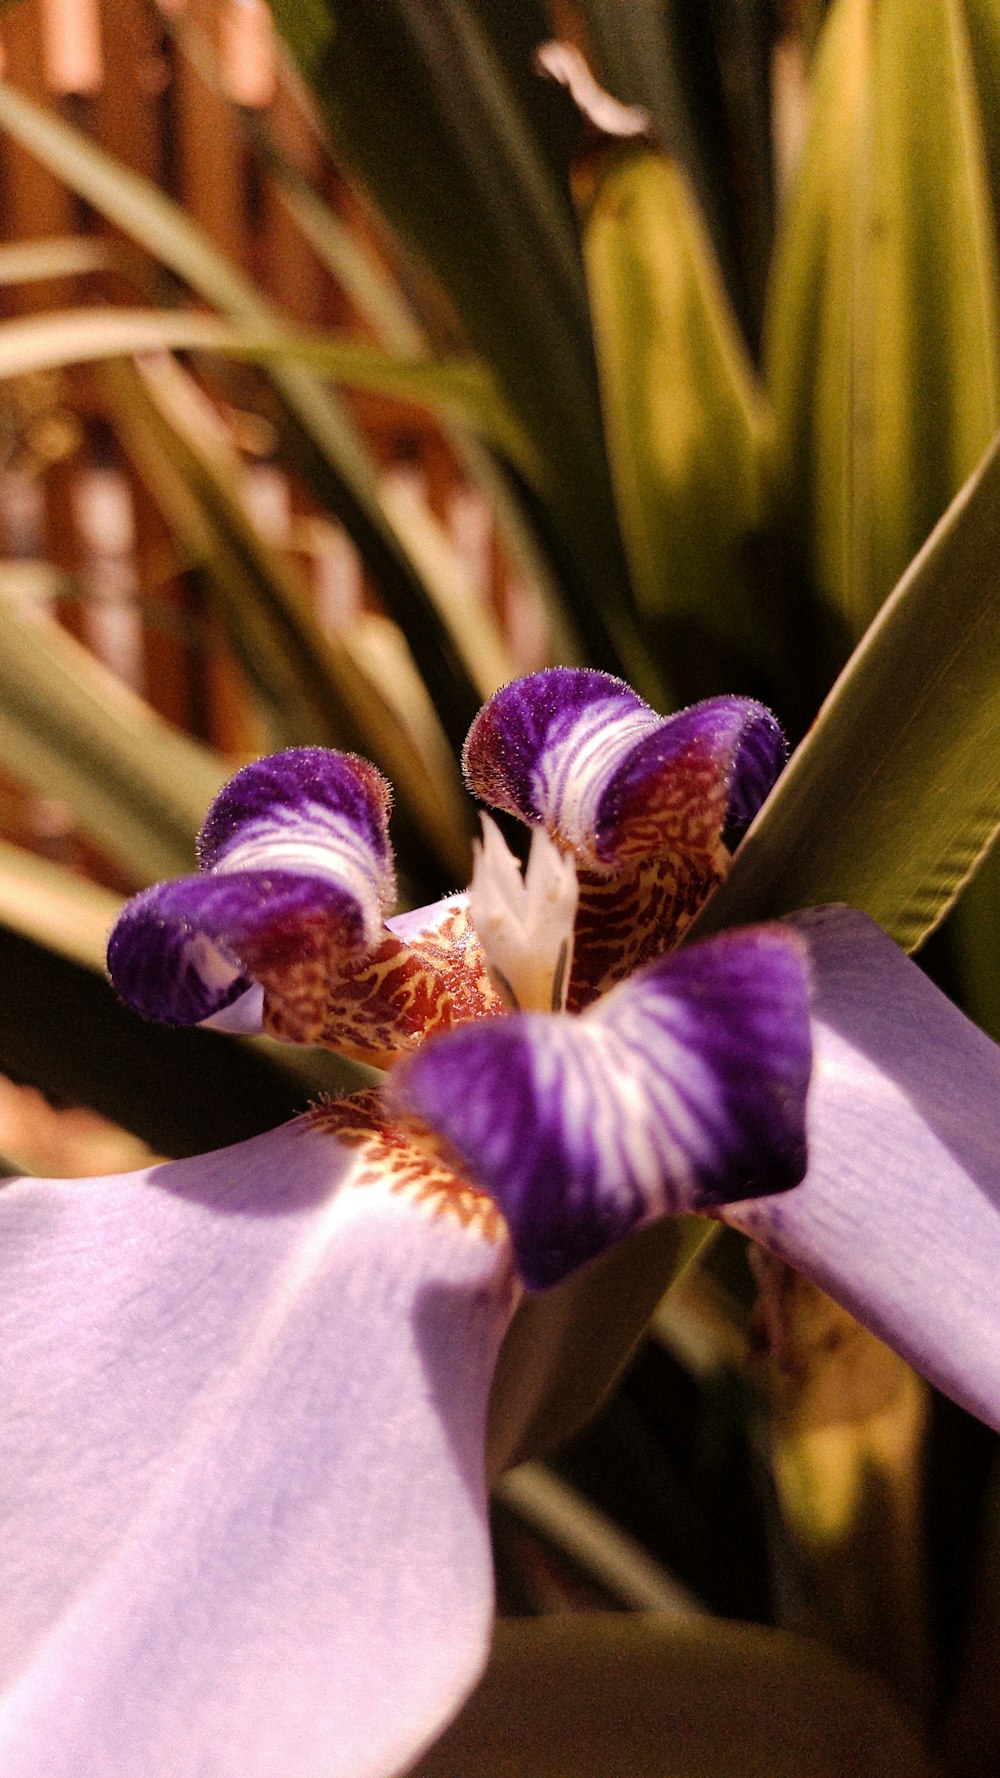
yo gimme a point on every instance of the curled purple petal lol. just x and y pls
(534, 722)
(581, 753)
(671, 1094)
(243, 1513)
(307, 809)
(178, 950)
(898, 1215)
(296, 870)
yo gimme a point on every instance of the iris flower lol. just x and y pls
(243, 1500)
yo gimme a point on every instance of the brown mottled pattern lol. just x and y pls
(668, 858)
(401, 1154)
(681, 813)
(294, 970)
(632, 917)
(388, 1002)
(455, 951)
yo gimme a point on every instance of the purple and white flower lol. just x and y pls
(244, 1498)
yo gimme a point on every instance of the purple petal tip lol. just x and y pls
(580, 753)
(683, 1088)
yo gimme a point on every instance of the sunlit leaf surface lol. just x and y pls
(895, 793)
(884, 319)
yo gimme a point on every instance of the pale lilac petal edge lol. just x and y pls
(898, 1215)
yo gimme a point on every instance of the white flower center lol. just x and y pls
(524, 924)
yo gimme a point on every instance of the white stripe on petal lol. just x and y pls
(578, 763)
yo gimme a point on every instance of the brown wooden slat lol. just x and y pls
(287, 265)
(72, 46)
(211, 150)
(32, 203)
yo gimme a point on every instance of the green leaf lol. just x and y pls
(808, 339)
(419, 101)
(685, 418)
(567, 1347)
(654, 56)
(847, 1426)
(975, 952)
(894, 795)
(51, 906)
(982, 19)
(884, 323)
(610, 1695)
(71, 729)
(76, 336)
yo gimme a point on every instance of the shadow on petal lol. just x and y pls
(242, 1523)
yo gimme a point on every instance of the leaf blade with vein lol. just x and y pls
(894, 795)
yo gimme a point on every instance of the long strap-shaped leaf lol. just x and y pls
(329, 447)
(71, 729)
(75, 336)
(894, 795)
(54, 907)
(685, 418)
(884, 316)
(649, 55)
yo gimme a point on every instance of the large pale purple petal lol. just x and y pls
(241, 1450)
(898, 1216)
(673, 1093)
(581, 753)
(296, 870)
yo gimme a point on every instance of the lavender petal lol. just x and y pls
(243, 1514)
(898, 1216)
(243, 1017)
(673, 1093)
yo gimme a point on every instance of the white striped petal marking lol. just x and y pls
(682, 1089)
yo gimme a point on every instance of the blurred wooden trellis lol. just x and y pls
(174, 90)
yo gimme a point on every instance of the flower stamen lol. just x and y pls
(525, 923)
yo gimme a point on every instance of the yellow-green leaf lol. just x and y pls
(69, 728)
(684, 416)
(884, 322)
(894, 795)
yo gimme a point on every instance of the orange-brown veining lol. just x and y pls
(379, 1006)
(667, 851)
(631, 918)
(682, 811)
(402, 1155)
